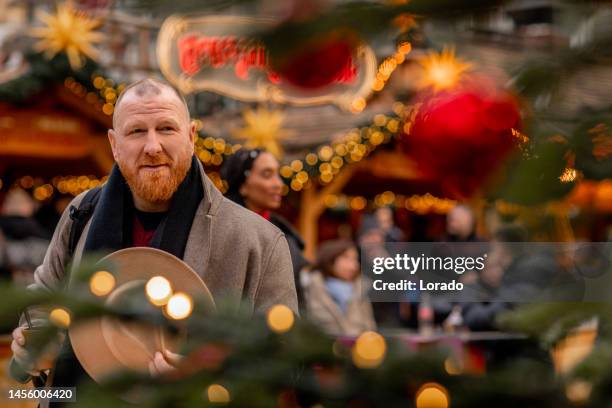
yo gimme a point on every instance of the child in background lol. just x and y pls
(334, 296)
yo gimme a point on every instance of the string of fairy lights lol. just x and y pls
(322, 166)
(43, 191)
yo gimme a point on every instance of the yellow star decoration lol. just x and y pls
(263, 129)
(442, 70)
(68, 31)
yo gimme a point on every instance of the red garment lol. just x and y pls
(140, 236)
(265, 214)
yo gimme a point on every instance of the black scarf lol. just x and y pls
(111, 230)
(111, 224)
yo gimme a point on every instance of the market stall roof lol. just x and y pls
(54, 133)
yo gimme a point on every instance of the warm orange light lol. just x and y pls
(280, 318)
(432, 395)
(218, 394)
(369, 350)
(158, 290)
(60, 317)
(102, 283)
(442, 70)
(179, 306)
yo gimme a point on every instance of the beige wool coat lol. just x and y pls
(323, 311)
(237, 253)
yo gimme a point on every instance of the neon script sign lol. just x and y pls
(197, 52)
(216, 53)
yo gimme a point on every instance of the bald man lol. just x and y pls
(158, 195)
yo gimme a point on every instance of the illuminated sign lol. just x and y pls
(219, 54)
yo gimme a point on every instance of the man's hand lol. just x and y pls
(164, 363)
(21, 355)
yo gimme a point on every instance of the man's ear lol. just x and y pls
(193, 132)
(111, 139)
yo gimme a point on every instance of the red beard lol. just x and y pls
(157, 185)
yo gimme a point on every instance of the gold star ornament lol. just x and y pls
(442, 70)
(263, 128)
(69, 31)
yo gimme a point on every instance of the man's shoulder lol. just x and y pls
(76, 201)
(66, 219)
(244, 221)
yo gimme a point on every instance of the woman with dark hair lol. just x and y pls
(253, 182)
(334, 299)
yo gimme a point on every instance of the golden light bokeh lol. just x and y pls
(326, 177)
(158, 290)
(358, 105)
(432, 395)
(311, 159)
(296, 185)
(302, 177)
(369, 350)
(60, 317)
(218, 394)
(326, 153)
(297, 165)
(452, 366)
(179, 306)
(108, 109)
(578, 391)
(358, 203)
(280, 318)
(442, 70)
(286, 171)
(102, 283)
(331, 200)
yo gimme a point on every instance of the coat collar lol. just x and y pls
(212, 196)
(197, 249)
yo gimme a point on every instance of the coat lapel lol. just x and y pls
(197, 249)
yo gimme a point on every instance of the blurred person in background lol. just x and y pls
(461, 225)
(462, 238)
(253, 181)
(377, 232)
(385, 221)
(513, 273)
(24, 242)
(334, 297)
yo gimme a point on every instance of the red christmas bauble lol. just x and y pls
(319, 64)
(461, 137)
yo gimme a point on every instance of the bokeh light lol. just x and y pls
(432, 395)
(102, 283)
(60, 317)
(158, 290)
(218, 394)
(369, 350)
(179, 306)
(280, 318)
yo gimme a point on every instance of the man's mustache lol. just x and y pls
(155, 161)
